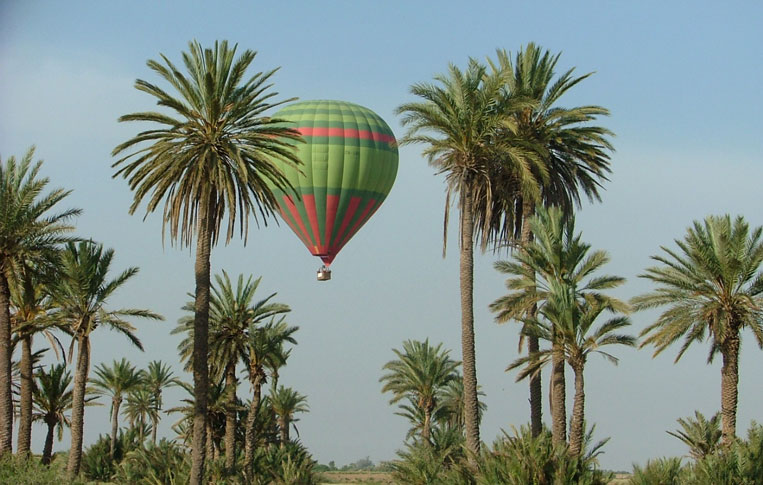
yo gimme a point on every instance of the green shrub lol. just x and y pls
(17, 471)
(165, 463)
(662, 471)
(97, 463)
(290, 465)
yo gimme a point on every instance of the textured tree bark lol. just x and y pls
(200, 335)
(471, 416)
(114, 423)
(78, 405)
(230, 417)
(427, 424)
(729, 387)
(533, 346)
(558, 397)
(210, 444)
(251, 418)
(578, 413)
(6, 399)
(283, 428)
(154, 427)
(47, 451)
(25, 399)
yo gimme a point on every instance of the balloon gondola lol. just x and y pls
(349, 163)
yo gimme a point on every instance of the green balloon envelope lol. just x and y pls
(349, 163)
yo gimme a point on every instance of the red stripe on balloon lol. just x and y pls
(351, 208)
(346, 133)
(309, 201)
(332, 202)
(293, 210)
(361, 220)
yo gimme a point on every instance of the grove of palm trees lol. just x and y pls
(564, 285)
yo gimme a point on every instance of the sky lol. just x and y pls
(682, 82)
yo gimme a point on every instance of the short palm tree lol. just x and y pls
(555, 274)
(712, 287)
(115, 381)
(210, 159)
(266, 352)
(571, 159)
(157, 377)
(140, 410)
(81, 295)
(700, 434)
(30, 305)
(29, 233)
(457, 122)
(421, 372)
(286, 402)
(52, 400)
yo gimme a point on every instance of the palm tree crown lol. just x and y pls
(115, 381)
(712, 287)
(52, 400)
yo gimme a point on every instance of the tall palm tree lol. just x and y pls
(266, 351)
(286, 402)
(81, 295)
(30, 305)
(457, 122)
(140, 410)
(712, 286)
(115, 381)
(555, 263)
(157, 377)
(572, 159)
(211, 158)
(421, 372)
(52, 400)
(29, 233)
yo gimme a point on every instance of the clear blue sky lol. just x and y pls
(682, 80)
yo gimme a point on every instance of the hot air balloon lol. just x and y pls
(349, 163)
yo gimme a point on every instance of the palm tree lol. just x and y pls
(452, 404)
(213, 159)
(457, 121)
(115, 382)
(571, 157)
(29, 233)
(30, 306)
(140, 408)
(286, 402)
(712, 286)
(701, 435)
(266, 351)
(554, 272)
(233, 315)
(52, 400)
(81, 295)
(420, 373)
(156, 378)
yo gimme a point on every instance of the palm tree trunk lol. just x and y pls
(6, 399)
(200, 335)
(154, 427)
(558, 396)
(25, 399)
(283, 425)
(78, 404)
(251, 418)
(114, 423)
(210, 444)
(533, 346)
(578, 413)
(230, 417)
(729, 387)
(47, 451)
(471, 413)
(425, 430)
